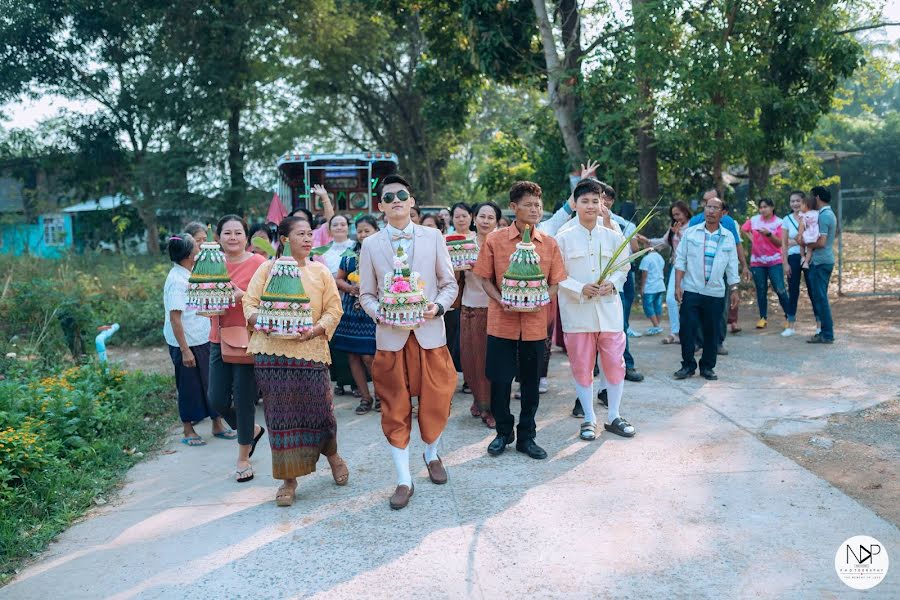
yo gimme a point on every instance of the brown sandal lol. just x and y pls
(340, 472)
(377, 406)
(365, 405)
(285, 495)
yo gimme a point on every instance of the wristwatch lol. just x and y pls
(440, 309)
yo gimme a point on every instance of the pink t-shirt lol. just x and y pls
(241, 273)
(765, 251)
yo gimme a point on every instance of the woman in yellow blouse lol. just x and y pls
(292, 374)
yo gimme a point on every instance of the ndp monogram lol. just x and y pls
(864, 554)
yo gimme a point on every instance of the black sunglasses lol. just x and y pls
(389, 197)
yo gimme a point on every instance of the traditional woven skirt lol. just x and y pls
(299, 413)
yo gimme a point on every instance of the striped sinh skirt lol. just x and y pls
(299, 413)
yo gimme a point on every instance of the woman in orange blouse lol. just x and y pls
(292, 374)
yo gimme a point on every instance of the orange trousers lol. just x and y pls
(414, 371)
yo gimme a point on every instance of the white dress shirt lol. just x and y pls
(586, 253)
(690, 258)
(406, 244)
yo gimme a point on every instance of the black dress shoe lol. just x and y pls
(529, 447)
(684, 373)
(498, 446)
(708, 374)
(602, 399)
(578, 411)
(633, 375)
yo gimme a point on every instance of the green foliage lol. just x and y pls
(54, 307)
(507, 161)
(66, 437)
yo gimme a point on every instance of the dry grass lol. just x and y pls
(859, 276)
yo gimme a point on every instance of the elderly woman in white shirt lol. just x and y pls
(187, 335)
(591, 311)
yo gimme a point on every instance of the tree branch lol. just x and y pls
(866, 27)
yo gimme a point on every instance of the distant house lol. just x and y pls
(49, 235)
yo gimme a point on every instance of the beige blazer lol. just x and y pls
(431, 260)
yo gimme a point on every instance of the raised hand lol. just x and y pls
(589, 170)
(319, 190)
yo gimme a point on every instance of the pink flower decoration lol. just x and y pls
(401, 287)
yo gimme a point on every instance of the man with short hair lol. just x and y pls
(822, 265)
(410, 363)
(706, 256)
(516, 339)
(729, 224)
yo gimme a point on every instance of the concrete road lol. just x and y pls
(694, 506)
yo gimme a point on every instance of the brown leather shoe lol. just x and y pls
(436, 471)
(401, 496)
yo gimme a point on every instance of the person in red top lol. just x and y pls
(513, 334)
(232, 387)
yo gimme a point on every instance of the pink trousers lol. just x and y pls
(583, 349)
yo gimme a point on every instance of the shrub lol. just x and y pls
(66, 436)
(49, 307)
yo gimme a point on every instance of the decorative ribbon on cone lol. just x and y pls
(284, 309)
(403, 302)
(210, 291)
(523, 287)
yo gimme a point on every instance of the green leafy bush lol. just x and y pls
(50, 307)
(66, 436)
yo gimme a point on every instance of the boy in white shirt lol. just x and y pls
(591, 312)
(653, 288)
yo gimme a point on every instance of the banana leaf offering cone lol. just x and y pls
(524, 287)
(284, 309)
(463, 250)
(403, 301)
(210, 291)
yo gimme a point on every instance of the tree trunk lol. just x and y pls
(648, 164)
(147, 213)
(759, 179)
(718, 143)
(560, 90)
(235, 197)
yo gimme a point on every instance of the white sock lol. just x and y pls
(614, 397)
(401, 463)
(431, 450)
(586, 396)
(542, 381)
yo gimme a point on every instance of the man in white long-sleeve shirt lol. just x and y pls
(706, 260)
(591, 311)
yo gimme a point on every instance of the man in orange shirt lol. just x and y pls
(518, 335)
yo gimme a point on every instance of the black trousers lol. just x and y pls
(451, 323)
(707, 312)
(506, 358)
(723, 320)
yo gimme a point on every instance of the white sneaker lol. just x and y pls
(543, 386)
(788, 332)
(632, 333)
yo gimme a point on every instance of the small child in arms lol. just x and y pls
(808, 228)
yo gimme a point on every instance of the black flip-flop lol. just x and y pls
(262, 430)
(618, 427)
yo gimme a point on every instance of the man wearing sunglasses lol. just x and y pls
(410, 363)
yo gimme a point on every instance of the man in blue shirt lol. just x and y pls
(729, 224)
(822, 265)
